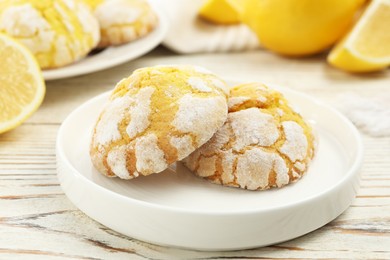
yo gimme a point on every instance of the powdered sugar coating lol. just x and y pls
(65, 55)
(139, 113)
(295, 174)
(281, 170)
(255, 166)
(150, 158)
(198, 84)
(107, 129)
(116, 12)
(26, 15)
(219, 139)
(25, 21)
(262, 99)
(207, 166)
(251, 126)
(183, 145)
(116, 159)
(88, 22)
(196, 115)
(280, 112)
(221, 85)
(296, 144)
(228, 159)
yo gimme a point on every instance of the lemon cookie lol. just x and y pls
(122, 21)
(264, 143)
(57, 32)
(155, 117)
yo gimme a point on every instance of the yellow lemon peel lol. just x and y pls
(22, 87)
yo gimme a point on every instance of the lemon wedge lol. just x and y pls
(219, 12)
(22, 87)
(367, 47)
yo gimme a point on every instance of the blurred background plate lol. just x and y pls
(113, 56)
(176, 208)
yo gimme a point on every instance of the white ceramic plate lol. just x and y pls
(113, 56)
(175, 208)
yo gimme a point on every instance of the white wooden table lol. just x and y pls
(37, 221)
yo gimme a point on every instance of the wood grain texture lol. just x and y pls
(37, 221)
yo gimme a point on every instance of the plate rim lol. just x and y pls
(351, 172)
(161, 31)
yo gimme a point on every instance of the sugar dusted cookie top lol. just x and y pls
(122, 21)
(155, 117)
(264, 142)
(57, 32)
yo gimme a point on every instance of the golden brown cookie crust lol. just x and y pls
(264, 143)
(123, 21)
(155, 117)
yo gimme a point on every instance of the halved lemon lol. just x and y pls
(22, 87)
(367, 47)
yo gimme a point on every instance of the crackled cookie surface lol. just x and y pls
(57, 32)
(155, 117)
(123, 21)
(264, 142)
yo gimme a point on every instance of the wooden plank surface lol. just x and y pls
(37, 221)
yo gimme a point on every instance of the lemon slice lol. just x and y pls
(21, 84)
(367, 47)
(219, 12)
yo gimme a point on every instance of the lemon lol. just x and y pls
(367, 47)
(299, 27)
(220, 12)
(21, 84)
(93, 3)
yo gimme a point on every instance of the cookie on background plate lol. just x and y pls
(155, 117)
(123, 21)
(57, 32)
(264, 143)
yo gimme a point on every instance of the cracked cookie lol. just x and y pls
(264, 143)
(155, 117)
(57, 32)
(123, 21)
